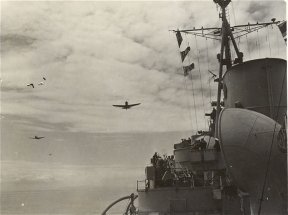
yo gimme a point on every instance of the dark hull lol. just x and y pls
(250, 146)
(254, 151)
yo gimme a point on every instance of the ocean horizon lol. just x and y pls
(81, 177)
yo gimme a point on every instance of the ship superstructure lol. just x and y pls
(191, 181)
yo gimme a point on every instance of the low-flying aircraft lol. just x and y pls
(32, 85)
(126, 106)
(36, 137)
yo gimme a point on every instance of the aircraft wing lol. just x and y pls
(131, 105)
(119, 106)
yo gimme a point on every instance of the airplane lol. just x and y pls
(36, 137)
(126, 106)
(32, 85)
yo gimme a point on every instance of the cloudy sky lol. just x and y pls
(96, 54)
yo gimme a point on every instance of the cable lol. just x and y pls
(269, 40)
(208, 68)
(270, 150)
(277, 37)
(193, 94)
(233, 13)
(258, 42)
(201, 85)
(239, 42)
(248, 47)
(186, 91)
(188, 103)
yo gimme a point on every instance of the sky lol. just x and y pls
(95, 54)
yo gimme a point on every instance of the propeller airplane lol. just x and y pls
(126, 106)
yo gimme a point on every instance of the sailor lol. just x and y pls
(154, 159)
(212, 120)
(147, 185)
(195, 145)
(203, 144)
(217, 145)
(212, 115)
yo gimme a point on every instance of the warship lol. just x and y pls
(239, 165)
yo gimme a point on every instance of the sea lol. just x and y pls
(76, 173)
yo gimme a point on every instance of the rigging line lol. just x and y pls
(238, 44)
(195, 111)
(203, 35)
(248, 32)
(258, 44)
(188, 102)
(270, 150)
(239, 41)
(208, 68)
(233, 13)
(199, 69)
(227, 15)
(243, 28)
(248, 47)
(269, 40)
(232, 52)
(277, 42)
(186, 89)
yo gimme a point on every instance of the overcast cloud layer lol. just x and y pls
(95, 54)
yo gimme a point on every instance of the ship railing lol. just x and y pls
(191, 149)
(197, 181)
(204, 150)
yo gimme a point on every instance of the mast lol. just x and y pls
(224, 42)
(225, 49)
(227, 38)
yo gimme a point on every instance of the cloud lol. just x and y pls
(96, 54)
(15, 42)
(266, 10)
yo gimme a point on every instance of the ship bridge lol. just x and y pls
(191, 181)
